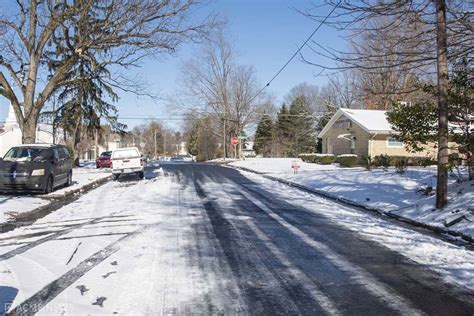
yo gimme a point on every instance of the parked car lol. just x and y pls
(127, 161)
(103, 161)
(35, 167)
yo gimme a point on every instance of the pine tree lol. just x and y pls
(264, 136)
(282, 131)
(301, 128)
(193, 137)
(416, 125)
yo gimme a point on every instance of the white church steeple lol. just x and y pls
(11, 117)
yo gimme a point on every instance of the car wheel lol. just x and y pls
(97, 166)
(141, 175)
(69, 179)
(49, 185)
(115, 177)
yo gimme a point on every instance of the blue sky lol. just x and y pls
(264, 33)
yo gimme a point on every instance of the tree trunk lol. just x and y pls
(96, 143)
(76, 138)
(470, 166)
(29, 131)
(442, 65)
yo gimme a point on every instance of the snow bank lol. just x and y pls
(12, 205)
(387, 191)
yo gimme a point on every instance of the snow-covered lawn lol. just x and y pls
(387, 191)
(11, 205)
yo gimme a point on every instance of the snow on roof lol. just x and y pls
(370, 120)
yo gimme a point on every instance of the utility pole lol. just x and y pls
(155, 143)
(240, 145)
(225, 145)
(164, 143)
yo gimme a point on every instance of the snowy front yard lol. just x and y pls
(11, 205)
(387, 191)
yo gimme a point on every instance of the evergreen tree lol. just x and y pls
(301, 128)
(416, 125)
(282, 131)
(193, 140)
(264, 136)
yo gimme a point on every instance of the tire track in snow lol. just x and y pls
(34, 303)
(98, 205)
(223, 292)
(292, 271)
(316, 293)
(265, 290)
(359, 275)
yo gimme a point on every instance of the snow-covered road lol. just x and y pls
(202, 239)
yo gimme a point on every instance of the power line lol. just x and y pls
(297, 51)
(179, 117)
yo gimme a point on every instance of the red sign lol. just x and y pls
(234, 141)
(295, 165)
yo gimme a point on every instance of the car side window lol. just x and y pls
(66, 153)
(60, 153)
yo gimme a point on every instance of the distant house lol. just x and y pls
(10, 133)
(112, 142)
(247, 149)
(364, 133)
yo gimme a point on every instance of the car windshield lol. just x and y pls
(106, 154)
(23, 153)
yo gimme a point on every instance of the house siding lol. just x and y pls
(366, 144)
(340, 146)
(379, 147)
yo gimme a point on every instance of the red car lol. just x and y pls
(104, 160)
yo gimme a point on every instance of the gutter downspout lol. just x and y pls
(371, 147)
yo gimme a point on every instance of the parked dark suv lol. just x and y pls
(35, 167)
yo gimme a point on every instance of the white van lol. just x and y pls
(126, 161)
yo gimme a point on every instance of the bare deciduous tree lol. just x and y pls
(42, 35)
(412, 36)
(226, 92)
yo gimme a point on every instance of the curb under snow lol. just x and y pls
(436, 229)
(58, 198)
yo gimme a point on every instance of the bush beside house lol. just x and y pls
(347, 160)
(322, 159)
(393, 161)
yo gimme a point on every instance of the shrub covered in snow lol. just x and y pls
(347, 160)
(323, 159)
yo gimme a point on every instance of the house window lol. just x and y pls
(342, 123)
(353, 142)
(393, 142)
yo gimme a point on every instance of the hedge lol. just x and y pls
(347, 160)
(323, 159)
(391, 161)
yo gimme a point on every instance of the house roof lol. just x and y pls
(372, 121)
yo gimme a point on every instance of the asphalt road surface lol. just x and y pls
(286, 260)
(204, 239)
